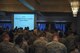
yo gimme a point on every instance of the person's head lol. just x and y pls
(25, 31)
(26, 28)
(19, 39)
(35, 30)
(42, 38)
(43, 34)
(55, 37)
(5, 36)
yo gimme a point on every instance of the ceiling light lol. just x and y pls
(75, 7)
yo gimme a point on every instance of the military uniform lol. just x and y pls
(56, 47)
(40, 46)
(49, 36)
(19, 49)
(25, 46)
(7, 47)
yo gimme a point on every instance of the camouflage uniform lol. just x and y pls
(49, 36)
(40, 46)
(56, 47)
(25, 46)
(7, 47)
(19, 49)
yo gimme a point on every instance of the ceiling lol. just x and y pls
(53, 5)
(38, 5)
(13, 6)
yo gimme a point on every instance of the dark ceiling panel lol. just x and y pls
(13, 6)
(53, 5)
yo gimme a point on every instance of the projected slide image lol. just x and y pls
(24, 20)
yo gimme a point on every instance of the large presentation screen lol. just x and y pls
(24, 20)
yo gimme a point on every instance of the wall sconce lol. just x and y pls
(75, 7)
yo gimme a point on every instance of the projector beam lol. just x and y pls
(27, 5)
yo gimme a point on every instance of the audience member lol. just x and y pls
(40, 44)
(55, 46)
(6, 46)
(21, 40)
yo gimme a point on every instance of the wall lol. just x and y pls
(59, 17)
(52, 17)
(5, 16)
(5, 20)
